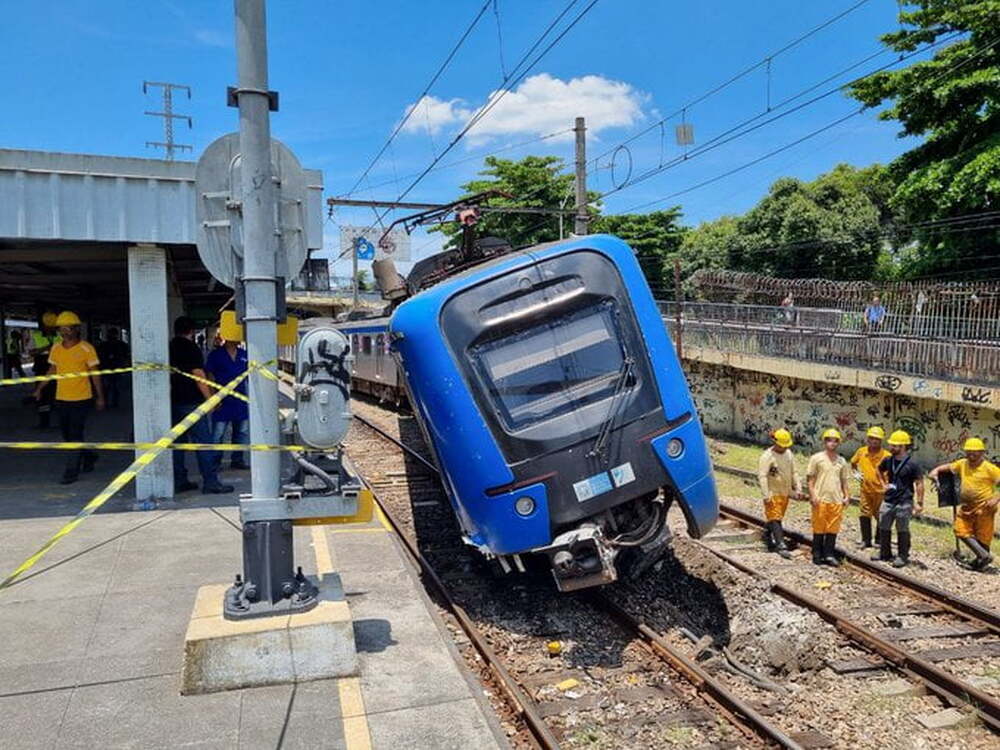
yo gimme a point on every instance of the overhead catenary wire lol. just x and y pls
(766, 60)
(420, 98)
(515, 76)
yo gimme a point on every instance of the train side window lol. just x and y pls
(354, 343)
(380, 344)
(366, 344)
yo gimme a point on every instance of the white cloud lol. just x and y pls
(432, 115)
(212, 38)
(540, 105)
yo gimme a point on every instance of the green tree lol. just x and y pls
(534, 181)
(833, 227)
(364, 284)
(708, 246)
(953, 101)
(655, 237)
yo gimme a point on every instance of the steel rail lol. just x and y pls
(957, 605)
(522, 704)
(945, 685)
(740, 713)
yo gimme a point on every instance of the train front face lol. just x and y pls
(557, 409)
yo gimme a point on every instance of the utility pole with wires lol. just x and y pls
(168, 115)
(582, 218)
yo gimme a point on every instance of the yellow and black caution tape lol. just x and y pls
(119, 370)
(129, 474)
(85, 374)
(25, 445)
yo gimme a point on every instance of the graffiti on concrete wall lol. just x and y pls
(748, 405)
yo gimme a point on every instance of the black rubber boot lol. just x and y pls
(830, 551)
(903, 550)
(769, 536)
(866, 532)
(884, 553)
(818, 545)
(983, 556)
(779, 540)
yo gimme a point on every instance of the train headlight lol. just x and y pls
(675, 447)
(524, 506)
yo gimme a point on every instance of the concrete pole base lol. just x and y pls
(222, 654)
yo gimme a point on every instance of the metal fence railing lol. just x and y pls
(961, 325)
(833, 336)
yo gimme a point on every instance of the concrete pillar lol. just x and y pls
(150, 329)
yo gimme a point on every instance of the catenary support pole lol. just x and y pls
(580, 224)
(149, 337)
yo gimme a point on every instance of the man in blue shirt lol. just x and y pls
(875, 313)
(225, 363)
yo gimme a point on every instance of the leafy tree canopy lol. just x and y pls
(534, 181)
(655, 237)
(953, 101)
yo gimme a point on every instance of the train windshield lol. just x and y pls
(553, 368)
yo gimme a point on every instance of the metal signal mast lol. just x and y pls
(167, 144)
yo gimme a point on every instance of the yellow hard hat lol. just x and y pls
(782, 437)
(49, 320)
(900, 437)
(832, 433)
(68, 318)
(974, 444)
(876, 432)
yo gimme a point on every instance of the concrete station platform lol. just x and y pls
(92, 638)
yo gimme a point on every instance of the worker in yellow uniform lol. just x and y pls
(74, 396)
(42, 340)
(778, 482)
(866, 461)
(978, 499)
(827, 474)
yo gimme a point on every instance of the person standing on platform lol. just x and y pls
(827, 474)
(114, 355)
(903, 480)
(778, 482)
(186, 395)
(42, 339)
(225, 363)
(978, 497)
(12, 356)
(74, 397)
(866, 461)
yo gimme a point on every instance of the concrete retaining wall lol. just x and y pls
(748, 404)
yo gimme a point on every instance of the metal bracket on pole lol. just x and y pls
(233, 96)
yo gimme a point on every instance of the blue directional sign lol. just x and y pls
(364, 249)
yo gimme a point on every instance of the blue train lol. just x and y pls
(554, 404)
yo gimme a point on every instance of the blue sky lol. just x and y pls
(347, 71)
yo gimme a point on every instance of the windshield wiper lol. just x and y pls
(616, 401)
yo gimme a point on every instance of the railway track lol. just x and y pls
(910, 625)
(622, 684)
(638, 639)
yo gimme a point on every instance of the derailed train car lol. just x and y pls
(554, 404)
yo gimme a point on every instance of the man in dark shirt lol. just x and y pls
(186, 395)
(113, 354)
(902, 478)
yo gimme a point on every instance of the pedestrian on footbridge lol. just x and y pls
(978, 499)
(828, 474)
(903, 480)
(779, 482)
(866, 461)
